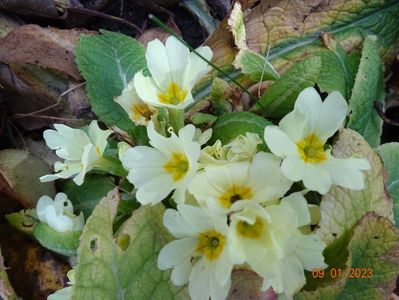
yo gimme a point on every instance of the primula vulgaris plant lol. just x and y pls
(234, 203)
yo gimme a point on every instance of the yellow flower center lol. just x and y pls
(233, 194)
(311, 149)
(177, 166)
(98, 151)
(173, 94)
(140, 110)
(252, 231)
(211, 244)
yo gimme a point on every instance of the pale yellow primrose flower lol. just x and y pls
(58, 214)
(242, 148)
(200, 254)
(268, 239)
(168, 166)
(300, 140)
(174, 70)
(80, 150)
(139, 112)
(218, 187)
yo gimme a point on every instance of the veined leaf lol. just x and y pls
(86, 196)
(279, 99)
(123, 266)
(372, 266)
(65, 243)
(367, 89)
(389, 154)
(341, 208)
(108, 62)
(228, 126)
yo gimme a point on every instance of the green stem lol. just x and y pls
(110, 165)
(176, 119)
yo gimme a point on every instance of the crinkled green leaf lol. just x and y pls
(389, 154)
(341, 208)
(373, 245)
(108, 62)
(255, 66)
(229, 126)
(65, 243)
(23, 220)
(201, 118)
(123, 266)
(367, 89)
(333, 74)
(6, 290)
(86, 196)
(279, 98)
(220, 93)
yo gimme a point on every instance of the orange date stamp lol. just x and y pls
(354, 273)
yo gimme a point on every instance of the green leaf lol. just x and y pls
(219, 95)
(108, 62)
(123, 266)
(255, 66)
(228, 126)
(86, 196)
(65, 243)
(373, 248)
(341, 208)
(333, 74)
(389, 154)
(279, 99)
(23, 220)
(201, 118)
(6, 290)
(367, 89)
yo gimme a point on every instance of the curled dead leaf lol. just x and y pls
(19, 177)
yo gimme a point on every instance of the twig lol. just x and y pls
(94, 13)
(18, 116)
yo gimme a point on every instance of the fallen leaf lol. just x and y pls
(19, 177)
(33, 271)
(46, 47)
(6, 290)
(158, 33)
(7, 24)
(246, 284)
(43, 8)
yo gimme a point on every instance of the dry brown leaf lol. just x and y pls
(44, 8)
(247, 285)
(19, 177)
(34, 272)
(158, 33)
(50, 48)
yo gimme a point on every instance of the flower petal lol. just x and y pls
(317, 178)
(176, 252)
(41, 206)
(181, 272)
(347, 172)
(293, 167)
(177, 225)
(158, 64)
(177, 54)
(98, 137)
(310, 251)
(196, 67)
(59, 223)
(295, 125)
(278, 142)
(309, 103)
(147, 89)
(199, 281)
(331, 115)
(299, 205)
(68, 142)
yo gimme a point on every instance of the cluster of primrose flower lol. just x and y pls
(234, 208)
